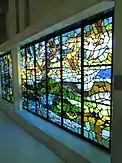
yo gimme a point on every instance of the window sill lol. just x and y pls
(67, 146)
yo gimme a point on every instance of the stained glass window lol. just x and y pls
(66, 78)
(6, 76)
(97, 80)
(28, 70)
(41, 79)
(71, 79)
(54, 79)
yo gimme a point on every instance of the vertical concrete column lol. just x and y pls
(117, 88)
(16, 80)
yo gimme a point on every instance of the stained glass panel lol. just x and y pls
(98, 42)
(97, 122)
(54, 79)
(41, 79)
(30, 57)
(97, 84)
(53, 52)
(28, 78)
(6, 76)
(23, 59)
(54, 95)
(71, 76)
(97, 81)
(23, 63)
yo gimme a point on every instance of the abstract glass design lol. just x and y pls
(71, 76)
(97, 80)
(98, 42)
(6, 76)
(66, 78)
(28, 78)
(54, 79)
(23, 78)
(41, 79)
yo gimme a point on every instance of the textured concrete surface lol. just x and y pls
(17, 146)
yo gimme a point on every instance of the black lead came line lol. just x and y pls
(25, 50)
(35, 93)
(82, 78)
(61, 59)
(47, 109)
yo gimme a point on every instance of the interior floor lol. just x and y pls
(17, 146)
